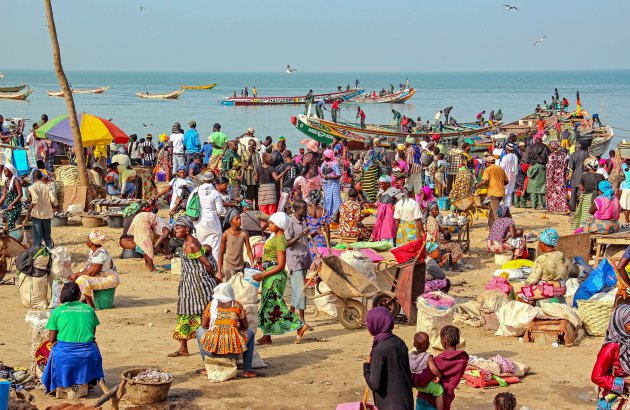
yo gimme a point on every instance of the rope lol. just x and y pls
(620, 129)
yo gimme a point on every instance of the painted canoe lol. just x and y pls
(99, 90)
(198, 87)
(12, 88)
(328, 97)
(20, 95)
(395, 98)
(324, 131)
(173, 95)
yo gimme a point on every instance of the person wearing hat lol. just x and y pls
(177, 142)
(191, 143)
(219, 144)
(148, 151)
(509, 163)
(495, 179)
(243, 142)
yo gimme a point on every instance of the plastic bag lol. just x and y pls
(245, 292)
(55, 293)
(360, 262)
(327, 304)
(602, 277)
(61, 266)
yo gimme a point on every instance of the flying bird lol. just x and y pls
(147, 126)
(508, 7)
(141, 8)
(540, 40)
(290, 70)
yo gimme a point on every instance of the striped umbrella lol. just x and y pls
(94, 131)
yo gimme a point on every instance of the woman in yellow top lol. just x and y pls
(274, 317)
(224, 329)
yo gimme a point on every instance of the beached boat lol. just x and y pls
(12, 88)
(20, 95)
(173, 95)
(99, 90)
(324, 131)
(198, 87)
(328, 97)
(394, 98)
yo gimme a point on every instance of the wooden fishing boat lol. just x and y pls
(99, 90)
(394, 98)
(173, 95)
(12, 88)
(328, 97)
(198, 87)
(324, 131)
(20, 95)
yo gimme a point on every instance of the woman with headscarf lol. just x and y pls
(274, 316)
(556, 192)
(224, 331)
(310, 179)
(408, 218)
(208, 226)
(147, 233)
(449, 251)
(537, 155)
(372, 162)
(331, 174)
(504, 236)
(11, 195)
(196, 284)
(462, 186)
(233, 241)
(509, 163)
(604, 212)
(386, 370)
(317, 222)
(588, 184)
(612, 368)
(99, 271)
(549, 273)
(350, 217)
(385, 226)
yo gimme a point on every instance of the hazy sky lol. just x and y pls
(339, 35)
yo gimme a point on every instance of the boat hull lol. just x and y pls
(280, 100)
(20, 95)
(12, 89)
(99, 90)
(395, 98)
(198, 87)
(168, 96)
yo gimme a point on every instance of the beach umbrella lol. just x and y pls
(94, 131)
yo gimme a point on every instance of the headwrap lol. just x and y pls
(97, 237)
(509, 146)
(591, 163)
(502, 211)
(490, 159)
(537, 137)
(181, 168)
(122, 150)
(435, 137)
(185, 221)
(132, 209)
(431, 246)
(379, 324)
(207, 177)
(616, 333)
(549, 237)
(311, 145)
(400, 147)
(230, 215)
(375, 141)
(430, 206)
(410, 140)
(602, 162)
(554, 145)
(329, 155)
(427, 191)
(385, 178)
(223, 292)
(314, 197)
(606, 188)
(163, 137)
(248, 204)
(280, 219)
(13, 176)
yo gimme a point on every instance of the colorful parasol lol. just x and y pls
(94, 130)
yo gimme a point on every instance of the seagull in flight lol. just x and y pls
(147, 126)
(508, 7)
(141, 8)
(540, 40)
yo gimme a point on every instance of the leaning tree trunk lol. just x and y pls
(67, 95)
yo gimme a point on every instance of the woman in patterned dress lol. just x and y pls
(196, 285)
(331, 174)
(318, 222)
(350, 218)
(556, 192)
(11, 195)
(371, 165)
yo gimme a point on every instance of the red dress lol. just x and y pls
(606, 369)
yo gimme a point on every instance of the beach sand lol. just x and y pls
(326, 369)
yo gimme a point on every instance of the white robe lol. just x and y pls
(208, 227)
(509, 163)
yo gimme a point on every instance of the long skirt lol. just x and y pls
(186, 327)
(594, 225)
(384, 228)
(267, 194)
(407, 232)
(274, 317)
(500, 247)
(582, 211)
(370, 183)
(70, 364)
(13, 214)
(106, 280)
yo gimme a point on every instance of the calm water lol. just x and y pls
(516, 93)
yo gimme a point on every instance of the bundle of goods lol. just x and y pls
(68, 176)
(40, 347)
(495, 371)
(435, 310)
(34, 279)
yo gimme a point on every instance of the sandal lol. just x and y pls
(256, 374)
(177, 354)
(301, 332)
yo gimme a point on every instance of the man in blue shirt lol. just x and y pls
(191, 142)
(206, 150)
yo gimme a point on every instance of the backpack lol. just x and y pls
(193, 209)
(25, 262)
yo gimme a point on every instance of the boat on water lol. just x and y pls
(173, 95)
(198, 87)
(99, 90)
(12, 88)
(20, 95)
(324, 131)
(277, 100)
(393, 98)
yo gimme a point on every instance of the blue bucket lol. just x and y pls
(443, 203)
(5, 386)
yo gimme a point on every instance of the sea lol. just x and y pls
(606, 92)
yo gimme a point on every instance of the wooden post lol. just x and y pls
(67, 95)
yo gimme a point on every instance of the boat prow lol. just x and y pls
(12, 88)
(99, 90)
(394, 98)
(198, 87)
(173, 95)
(20, 95)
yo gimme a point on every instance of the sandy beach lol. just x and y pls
(326, 369)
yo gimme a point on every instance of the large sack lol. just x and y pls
(492, 300)
(245, 292)
(360, 262)
(33, 291)
(252, 315)
(326, 304)
(435, 310)
(61, 266)
(514, 317)
(220, 369)
(468, 313)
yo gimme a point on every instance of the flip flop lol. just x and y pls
(177, 354)
(258, 374)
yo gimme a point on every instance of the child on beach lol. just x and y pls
(504, 401)
(440, 175)
(421, 361)
(235, 178)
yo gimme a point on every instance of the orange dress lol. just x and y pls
(225, 338)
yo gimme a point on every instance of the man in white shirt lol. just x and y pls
(122, 159)
(41, 210)
(438, 117)
(30, 138)
(177, 142)
(134, 150)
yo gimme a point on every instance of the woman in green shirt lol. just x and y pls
(274, 317)
(74, 358)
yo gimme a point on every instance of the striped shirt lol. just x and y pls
(147, 150)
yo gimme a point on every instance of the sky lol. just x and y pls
(318, 36)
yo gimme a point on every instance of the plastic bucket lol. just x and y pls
(160, 176)
(5, 386)
(443, 203)
(104, 298)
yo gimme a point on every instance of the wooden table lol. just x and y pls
(602, 241)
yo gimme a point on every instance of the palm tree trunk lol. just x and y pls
(67, 95)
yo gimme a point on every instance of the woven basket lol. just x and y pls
(595, 315)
